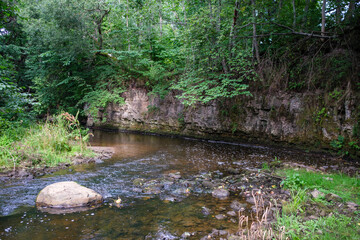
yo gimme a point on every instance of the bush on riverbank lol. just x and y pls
(43, 144)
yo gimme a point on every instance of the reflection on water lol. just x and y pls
(136, 156)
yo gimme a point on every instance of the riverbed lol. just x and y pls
(168, 210)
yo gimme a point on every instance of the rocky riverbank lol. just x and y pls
(257, 195)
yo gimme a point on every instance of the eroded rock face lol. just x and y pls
(278, 117)
(66, 195)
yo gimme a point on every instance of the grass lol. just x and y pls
(333, 226)
(299, 198)
(348, 188)
(43, 144)
(336, 226)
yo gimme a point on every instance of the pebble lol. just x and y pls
(316, 193)
(220, 193)
(206, 211)
(231, 213)
(220, 216)
(237, 206)
(175, 175)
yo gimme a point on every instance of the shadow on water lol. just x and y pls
(137, 156)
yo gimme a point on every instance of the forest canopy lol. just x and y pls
(66, 54)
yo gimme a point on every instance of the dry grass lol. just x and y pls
(260, 227)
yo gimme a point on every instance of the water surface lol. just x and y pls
(142, 215)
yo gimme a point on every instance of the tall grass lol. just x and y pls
(43, 144)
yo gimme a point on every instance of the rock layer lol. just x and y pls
(312, 119)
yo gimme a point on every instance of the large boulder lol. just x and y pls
(67, 195)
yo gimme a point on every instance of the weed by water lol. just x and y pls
(44, 144)
(298, 199)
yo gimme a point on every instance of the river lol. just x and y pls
(166, 214)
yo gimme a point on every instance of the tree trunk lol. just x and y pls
(232, 30)
(294, 14)
(184, 10)
(218, 25)
(323, 18)
(338, 11)
(127, 23)
(351, 9)
(160, 19)
(306, 11)
(255, 43)
(280, 7)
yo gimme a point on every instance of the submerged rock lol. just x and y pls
(220, 193)
(208, 184)
(206, 211)
(237, 206)
(67, 195)
(174, 175)
(138, 181)
(220, 216)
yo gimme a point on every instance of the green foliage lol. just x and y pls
(332, 226)
(181, 119)
(344, 146)
(346, 187)
(45, 144)
(298, 199)
(339, 143)
(265, 166)
(335, 226)
(69, 53)
(336, 94)
(14, 103)
(202, 86)
(321, 115)
(293, 181)
(100, 98)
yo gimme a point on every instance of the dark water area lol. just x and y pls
(143, 214)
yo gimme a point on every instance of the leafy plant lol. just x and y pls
(293, 182)
(265, 166)
(321, 115)
(339, 144)
(181, 119)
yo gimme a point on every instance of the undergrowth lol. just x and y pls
(336, 226)
(43, 144)
(348, 188)
(332, 226)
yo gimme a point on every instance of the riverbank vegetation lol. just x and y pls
(34, 145)
(322, 205)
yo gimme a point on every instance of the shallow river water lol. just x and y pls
(142, 215)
